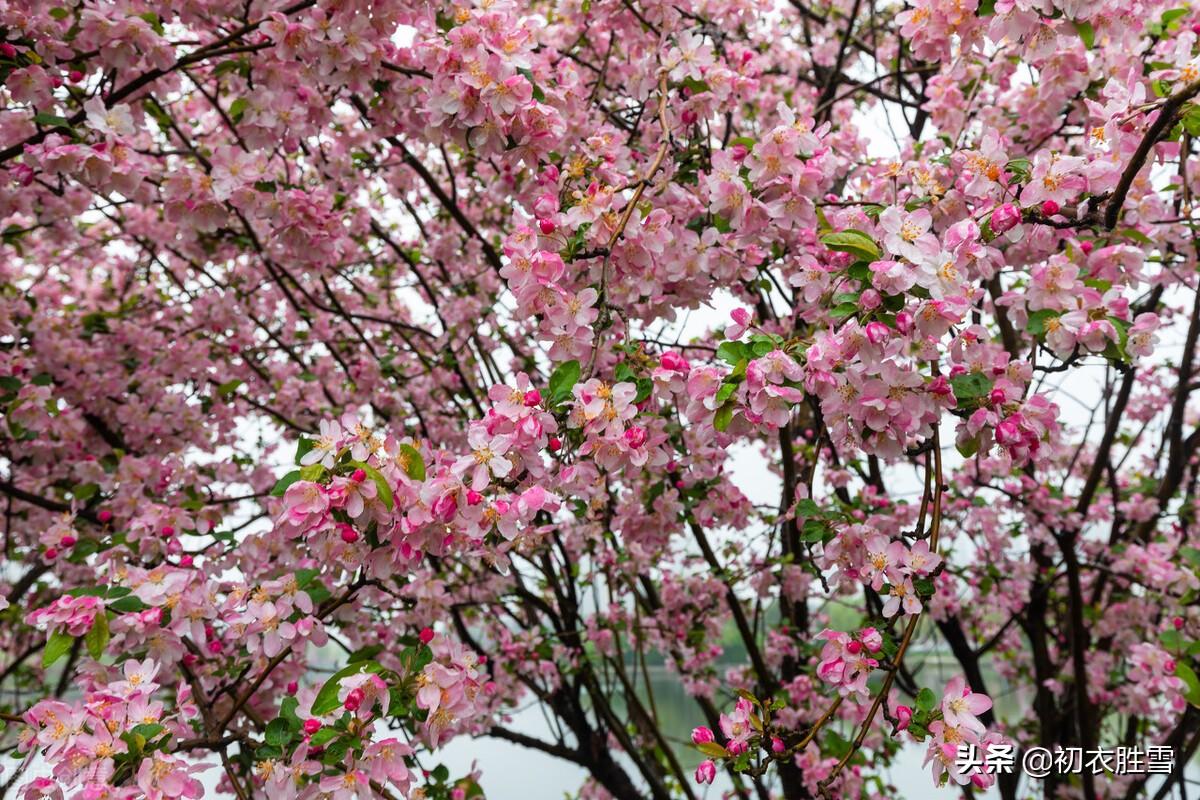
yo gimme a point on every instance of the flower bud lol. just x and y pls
(311, 726)
(777, 745)
(854, 648)
(1178, 623)
(706, 772)
(68, 541)
(474, 498)
(1050, 208)
(689, 117)
(426, 635)
(903, 717)
(359, 475)
(348, 534)
(877, 332)
(186, 561)
(168, 531)
(904, 322)
(546, 226)
(555, 444)
(1086, 247)
(702, 735)
(293, 687)
(51, 553)
(104, 515)
(533, 398)
(354, 700)
(1005, 218)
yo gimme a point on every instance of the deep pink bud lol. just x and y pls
(777, 745)
(689, 117)
(104, 515)
(292, 688)
(1178, 623)
(635, 437)
(1169, 666)
(903, 717)
(533, 398)
(215, 646)
(997, 397)
(854, 647)
(547, 226)
(189, 659)
(706, 772)
(555, 443)
(1050, 208)
(426, 635)
(1005, 218)
(1086, 247)
(168, 530)
(186, 561)
(355, 699)
(68, 541)
(702, 735)
(7, 50)
(877, 332)
(739, 152)
(674, 361)
(51, 553)
(74, 76)
(474, 498)
(349, 535)
(904, 322)
(359, 475)
(311, 726)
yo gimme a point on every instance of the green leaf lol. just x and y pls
(303, 445)
(723, 417)
(237, 109)
(327, 699)
(1191, 682)
(970, 386)
(852, 241)
(411, 461)
(278, 733)
(147, 730)
(226, 390)
(283, 483)
(712, 750)
(56, 647)
(127, 605)
(1087, 33)
(1037, 321)
(97, 637)
(385, 489)
(986, 8)
(733, 353)
(563, 380)
(52, 121)
(926, 700)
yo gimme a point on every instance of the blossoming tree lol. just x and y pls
(357, 331)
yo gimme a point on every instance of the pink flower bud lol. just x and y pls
(854, 648)
(1050, 208)
(1169, 666)
(354, 700)
(903, 717)
(348, 534)
(359, 475)
(168, 531)
(997, 397)
(706, 772)
(215, 646)
(533, 398)
(904, 322)
(877, 332)
(777, 745)
(74, 76)
(7, 50)
(426, 635)
(689, 117)
(1178, 623)
(68, 541)
(674, 361)
(1086, 247)
(186, 561)
(635, 437)
(1005, 218)
(702, 735)
(739, 152)
(474, 498)
(51, 553)
(546, 226)
(104, 515)
(871, 639)
(311, 726)
(555, 444)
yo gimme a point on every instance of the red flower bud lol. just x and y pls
(359, 475)
(547, 226)
(104, 515)
(355, 699)
(292, 688)
(427, 635)
(51, 553)
(702, 735)
(311, 726)
(1050, 208)
(168, 531)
